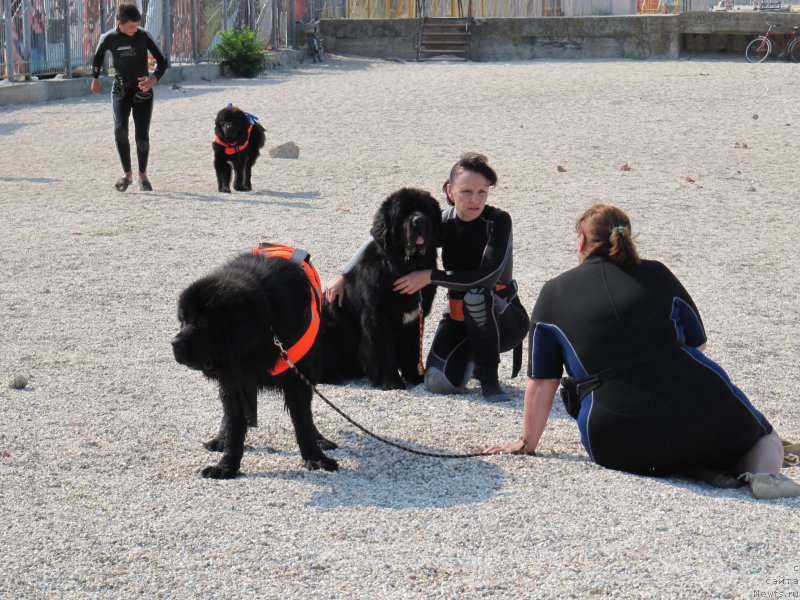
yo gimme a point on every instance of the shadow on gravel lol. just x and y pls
(740, 494)
(10, 128)
(29, 179)
(387, 477)
(258, 198)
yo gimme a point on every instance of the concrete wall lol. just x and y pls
(575, 37)
(635, 36)
(57, 89)
(378, 38)
(28, 92)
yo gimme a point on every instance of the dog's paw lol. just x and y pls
(214, 445)
(328, 464)
(412, 377)
(392, 384)
(247, 188)
(217, 472)
(326, 444)
(239, 188)
(225, 189)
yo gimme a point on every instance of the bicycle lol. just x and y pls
(783, 43)
(315, 48)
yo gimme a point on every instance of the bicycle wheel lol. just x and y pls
(794, 50)
(758, 50)
(316, 48)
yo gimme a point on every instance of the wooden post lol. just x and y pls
(195, 31)
(9, 45)
(102, 30)
(168, 30)
(67, 45)
(26, 36)
(274, 24)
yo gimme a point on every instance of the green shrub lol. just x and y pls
(241, 53)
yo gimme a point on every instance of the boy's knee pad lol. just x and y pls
(438, 383)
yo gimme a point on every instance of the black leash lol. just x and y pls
(357, 425)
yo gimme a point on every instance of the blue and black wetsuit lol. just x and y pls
(672, 414)
(477, 257)
(129, 55)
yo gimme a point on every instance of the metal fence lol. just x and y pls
(45, 38)
(392, 9)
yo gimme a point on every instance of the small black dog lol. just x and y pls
(228, 323)
(238, 139)
(377, 331)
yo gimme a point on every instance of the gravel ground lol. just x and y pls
(99, 454)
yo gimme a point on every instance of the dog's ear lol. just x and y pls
(382, 223)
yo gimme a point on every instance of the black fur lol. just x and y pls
(227, 323)
(376, 331)
(231, 127)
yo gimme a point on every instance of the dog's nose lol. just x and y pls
(178, 346)
(418, 220)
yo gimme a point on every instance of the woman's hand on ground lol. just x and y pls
(518, 446)
(335, 290)
(412, 282)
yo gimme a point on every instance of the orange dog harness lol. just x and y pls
(300, 257)
(233, 148)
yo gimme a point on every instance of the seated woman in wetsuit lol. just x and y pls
(675, 413)
(484, 317)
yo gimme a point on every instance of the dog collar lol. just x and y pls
(233, 148)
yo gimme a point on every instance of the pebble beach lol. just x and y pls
(100, 449)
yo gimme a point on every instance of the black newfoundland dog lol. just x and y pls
(238, 139)
(377, 331)
(228, 323)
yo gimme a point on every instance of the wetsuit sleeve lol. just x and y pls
(495, 258)
(545, 354)
(161, 62)
(356, 257)
(99, 56)
(688, 324)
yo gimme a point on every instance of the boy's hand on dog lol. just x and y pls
(335, 290)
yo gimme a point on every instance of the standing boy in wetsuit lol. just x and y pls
(133, 88)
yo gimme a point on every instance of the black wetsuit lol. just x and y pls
(477, 257)
(674, 413)
(129, 54)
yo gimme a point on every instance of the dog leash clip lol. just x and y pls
(278, 344)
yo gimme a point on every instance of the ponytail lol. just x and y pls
(622, 250)
(608, 231)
